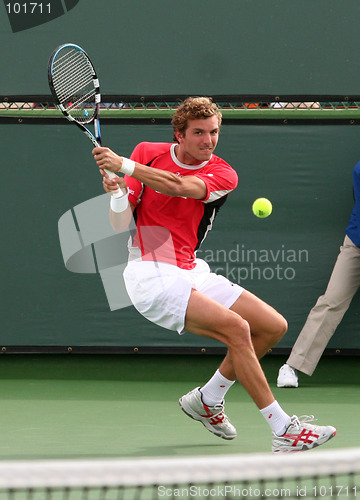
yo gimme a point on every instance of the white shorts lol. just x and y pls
(161, 291)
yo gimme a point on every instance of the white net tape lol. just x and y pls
(184, 470)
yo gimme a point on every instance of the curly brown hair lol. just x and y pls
(194, 108)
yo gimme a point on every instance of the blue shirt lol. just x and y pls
(353, 229)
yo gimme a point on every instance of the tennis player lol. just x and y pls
(174, 191)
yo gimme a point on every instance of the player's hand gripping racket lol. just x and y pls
(75, 87)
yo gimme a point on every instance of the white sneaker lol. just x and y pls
(301, 436)
(213, 418)
(287, 377)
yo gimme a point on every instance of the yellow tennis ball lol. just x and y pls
(262, 207)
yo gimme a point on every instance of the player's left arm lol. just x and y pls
(162, 181)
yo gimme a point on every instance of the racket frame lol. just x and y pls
(95, 139)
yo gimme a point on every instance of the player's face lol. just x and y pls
(199, 140)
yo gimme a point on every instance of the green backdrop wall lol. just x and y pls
(195, 46)
(286, 259)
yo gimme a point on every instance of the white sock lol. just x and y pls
(276, 418)
(213, 392)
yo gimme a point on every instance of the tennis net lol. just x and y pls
(315, 474)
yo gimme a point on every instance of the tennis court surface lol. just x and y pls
(87, 406)
(110, 427)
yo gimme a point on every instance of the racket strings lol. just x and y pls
(71, 76)
(70, 64)
(69, 83)
(74, 83)
(83, 100)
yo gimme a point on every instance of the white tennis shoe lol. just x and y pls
(302, 436)
(213, 418)
(287, 377)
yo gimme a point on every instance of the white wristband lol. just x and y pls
(128, 166)
(119, 204)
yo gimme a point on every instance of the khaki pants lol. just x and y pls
(328, 311)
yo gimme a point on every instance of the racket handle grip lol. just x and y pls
(116, 194)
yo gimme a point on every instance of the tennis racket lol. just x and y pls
(75, 87)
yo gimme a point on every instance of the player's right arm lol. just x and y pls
(119, 220)
(159, 180)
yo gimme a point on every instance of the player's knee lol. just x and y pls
(237, 332)
(279, 328)
(274, 330)
(282, 326)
